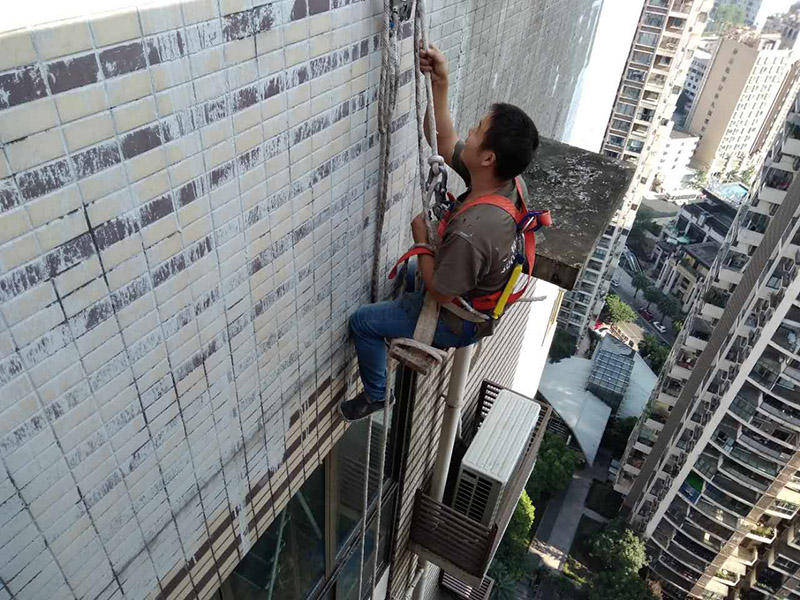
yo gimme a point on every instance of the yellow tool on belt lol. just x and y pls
(512, 281)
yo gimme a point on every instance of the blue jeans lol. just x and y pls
(372, 325)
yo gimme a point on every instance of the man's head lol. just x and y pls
(503, 143)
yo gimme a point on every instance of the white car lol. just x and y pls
(614, 283)
(659, 327)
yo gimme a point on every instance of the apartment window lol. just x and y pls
(620, 125)
(313, 547)
(660, 3)
(642, 58)
(631, 93)
(636, 75)
(647, 39)
(635, 145)
(616, 140)
(653, 20)
(626, 109)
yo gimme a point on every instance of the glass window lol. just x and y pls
(620, 125)
(348, 475)
(616, 140)
(347, 584)
(635, 145)
(653, 20)
(625, 109)
(642, 58)
(288, 560)
(647, 39)
(636, 75)
(631, 93)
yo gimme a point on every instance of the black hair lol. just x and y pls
(513, 138)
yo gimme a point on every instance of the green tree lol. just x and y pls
(615, 585)
(648, 344)
(658, 357)
(618, 311)
(617, 548)
(677, 325)
(640, 281)
(563, 345)
(669, 305)
(555, 465)
(508, 567)
(652, 295)
(519, 527)
(700, 178)
(726, 16)
(616, 435)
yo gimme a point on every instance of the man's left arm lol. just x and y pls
(425, 262)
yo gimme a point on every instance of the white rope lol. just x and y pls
(366, 506)
(387, 100)
(382, 465)
(423, 91)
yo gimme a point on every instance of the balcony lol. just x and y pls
(683, 7)
(781, 412)
(723, 500)
(666, 573)
(717, 515)
(783, 509)
(687, 558)
(787, 338)
(767, 448)
(745, 476)
(736, 490)
(762, 533)
(460, 545)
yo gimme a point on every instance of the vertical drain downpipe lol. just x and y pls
(447, 437)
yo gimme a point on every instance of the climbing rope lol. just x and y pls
(387, 101)
(423, 91)
(430, 187)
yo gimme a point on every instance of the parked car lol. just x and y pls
(646, 314)
(658, 326)
(614, 283)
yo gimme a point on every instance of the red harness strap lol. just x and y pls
(527, 224)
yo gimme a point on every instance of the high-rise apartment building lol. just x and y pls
(659, 57)
(742, 82)
(188, 208)
(694, 79)
(711, 471)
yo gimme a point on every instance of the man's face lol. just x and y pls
(472, 155)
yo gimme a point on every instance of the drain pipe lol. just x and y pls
(451, 421)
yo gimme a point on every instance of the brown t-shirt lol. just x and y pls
(477, 251)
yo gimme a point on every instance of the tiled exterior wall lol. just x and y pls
(187, 193)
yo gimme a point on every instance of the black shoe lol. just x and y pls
(359, 408)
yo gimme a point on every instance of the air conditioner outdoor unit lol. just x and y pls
(492, 458)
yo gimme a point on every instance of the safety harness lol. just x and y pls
(491, 306)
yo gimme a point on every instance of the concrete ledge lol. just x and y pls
(582, 190)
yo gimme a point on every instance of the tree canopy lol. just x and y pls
(618, 311)
(654, 351)
(640, 281)
(563, 345)
(616, 435)
(613, 585)
(554, 467)
(617, 548)
(669, 306)
(652, 295)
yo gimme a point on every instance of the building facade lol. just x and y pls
(695, 76)
(710, 472)
(659, 57)
(188, 199)
(743, 82)
(672, 165)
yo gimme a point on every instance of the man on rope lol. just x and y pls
(478, 246)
